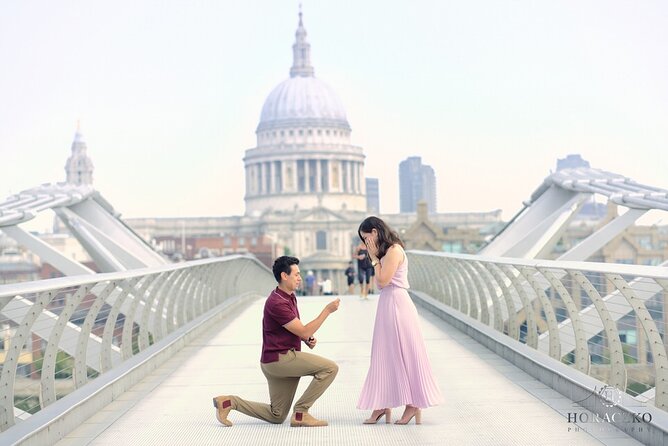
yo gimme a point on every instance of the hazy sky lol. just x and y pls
(488, 92)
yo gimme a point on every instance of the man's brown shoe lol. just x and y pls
(223, 405)
(303, 419)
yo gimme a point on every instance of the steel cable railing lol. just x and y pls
(606, 320)
(57, 335)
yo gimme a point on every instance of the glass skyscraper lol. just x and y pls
(372, 196)
(417, 182)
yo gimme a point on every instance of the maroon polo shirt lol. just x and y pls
(279, 309)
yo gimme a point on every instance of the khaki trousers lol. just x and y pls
(283, 377)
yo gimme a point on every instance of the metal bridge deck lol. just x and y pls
(488, 401)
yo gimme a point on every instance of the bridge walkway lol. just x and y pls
(488, 401)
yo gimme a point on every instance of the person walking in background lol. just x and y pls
(282, 361)
(350, 277)
(326, 287)
(372, 280)
(364, 268)
(310, 283)
(400, 372)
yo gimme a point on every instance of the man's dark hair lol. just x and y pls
(283, 264)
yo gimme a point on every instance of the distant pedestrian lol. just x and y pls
(310, 283)
(326, 287)
(350, 277)
(364, 268)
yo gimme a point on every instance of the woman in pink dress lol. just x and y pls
(400, 373)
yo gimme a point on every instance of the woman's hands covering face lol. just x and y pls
(372, 246)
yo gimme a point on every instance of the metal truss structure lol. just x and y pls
(100, 322)
(496, 291)
(534, 231)
(90, 218)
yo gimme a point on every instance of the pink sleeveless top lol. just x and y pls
(400, 277)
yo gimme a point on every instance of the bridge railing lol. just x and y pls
(58, 335)
(605, 320)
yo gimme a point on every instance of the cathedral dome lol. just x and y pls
(303, 158)
(302, 100)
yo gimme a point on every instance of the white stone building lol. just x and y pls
(304, 158)
(305, 182)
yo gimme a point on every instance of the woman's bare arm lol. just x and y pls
(393, 258)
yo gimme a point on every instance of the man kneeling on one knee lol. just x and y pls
(282, 362)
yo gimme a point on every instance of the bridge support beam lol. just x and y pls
(46, 253)
(597, 240)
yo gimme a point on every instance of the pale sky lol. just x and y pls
(489, 92)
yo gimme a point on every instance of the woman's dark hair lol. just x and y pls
(386, 236)
(283, 264)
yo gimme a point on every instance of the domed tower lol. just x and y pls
(303, 157)
(79, 167)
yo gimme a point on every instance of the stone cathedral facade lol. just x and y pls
(304, 157)
(304, 182)
(304, 179)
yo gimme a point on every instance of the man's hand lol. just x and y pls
(333, 306)
(311, 342)
(304, 332)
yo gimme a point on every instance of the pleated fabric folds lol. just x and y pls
(400, 372)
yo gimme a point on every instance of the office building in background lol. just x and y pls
(417, 182)
(372, 196)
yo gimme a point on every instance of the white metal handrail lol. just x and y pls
(571, 311)
(73, 329)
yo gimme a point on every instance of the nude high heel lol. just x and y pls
(386, 412)
(417, 415)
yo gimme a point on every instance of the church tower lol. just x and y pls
(79, 167)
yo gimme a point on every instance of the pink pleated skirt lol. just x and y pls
(400, 372)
